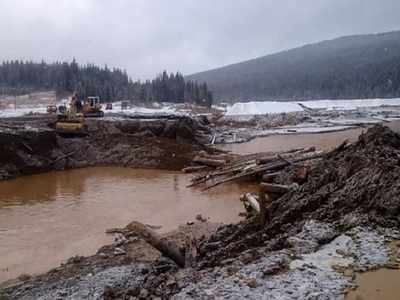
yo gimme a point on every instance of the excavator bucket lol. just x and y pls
(70, 128)
(71, 125)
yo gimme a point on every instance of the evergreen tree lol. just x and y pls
(18, 77)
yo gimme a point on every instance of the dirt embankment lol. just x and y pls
(32, 146)
(353, 185)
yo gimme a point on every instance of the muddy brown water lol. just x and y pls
(47, 218)
(322, 141)
(381, 284)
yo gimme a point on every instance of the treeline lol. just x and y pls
(19, 77)
(364, 66)
(169, 88)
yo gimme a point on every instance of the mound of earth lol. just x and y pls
(353, 185)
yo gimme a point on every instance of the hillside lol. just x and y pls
(362, 66)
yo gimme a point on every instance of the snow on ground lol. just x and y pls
(314, 271)
(157, 109)
(28, 109)
(20, 111)
(255, 108)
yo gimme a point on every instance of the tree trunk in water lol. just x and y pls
(168, 248)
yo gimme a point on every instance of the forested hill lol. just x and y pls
(363, 66)
(18, 77)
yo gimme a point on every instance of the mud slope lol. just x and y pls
(358, 184)
(34, 147)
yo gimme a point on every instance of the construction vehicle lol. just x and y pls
(92, 107)
(70, 122)
(51, 109)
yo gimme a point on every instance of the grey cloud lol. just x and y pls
(147, 36)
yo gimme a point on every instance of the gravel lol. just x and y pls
(304, 273)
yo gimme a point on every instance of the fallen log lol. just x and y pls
(252, 201)
(269, 177)
(263, 168)
(63, 157)
(275, 188)
(168, 248)
(285, 155)
(209, 162)
(266, 160)
(191, 248)
(262, 199)
(26, 146)
(194, 169)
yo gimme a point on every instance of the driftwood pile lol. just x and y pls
(270, 191)
(264, 165)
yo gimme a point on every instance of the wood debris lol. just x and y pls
(266, 165)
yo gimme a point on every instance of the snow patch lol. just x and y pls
(257, 108)
(132, 110)
(311, 275)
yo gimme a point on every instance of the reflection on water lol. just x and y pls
(50, 217)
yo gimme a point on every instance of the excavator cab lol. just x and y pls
(92, 107)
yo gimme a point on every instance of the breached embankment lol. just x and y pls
(32, 146)
(337, 222)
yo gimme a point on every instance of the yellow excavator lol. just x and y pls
(70, 121)
(92, 107)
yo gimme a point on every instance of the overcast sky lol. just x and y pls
(147, 36)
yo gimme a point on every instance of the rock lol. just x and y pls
(200, 218)
(119, 251)
(108, 293)
(349, 273)
(75, 259)
(163, 265)
(119, 240)
(341, 252)
(134, 292)
(302, 245)
(273, 270)
(251, 283)
(246, 258)
(24, 277)
(392, 266)
(144, 294)
(300, 175)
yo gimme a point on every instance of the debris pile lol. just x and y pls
(260, 164)
(352, 185)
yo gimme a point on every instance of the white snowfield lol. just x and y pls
(24, 110)
(162, 108)
(259, 108)
(249, 108)
(21, 111)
